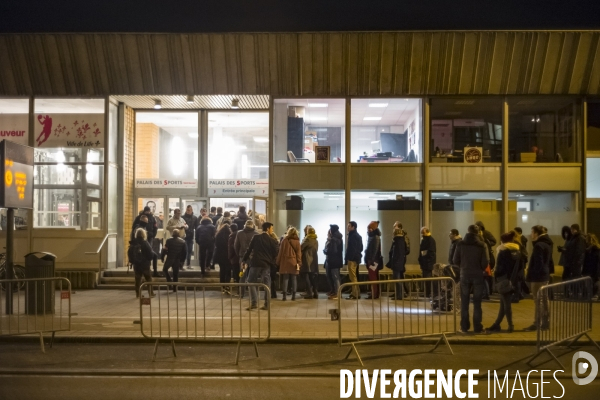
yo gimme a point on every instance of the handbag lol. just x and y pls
(505, 285)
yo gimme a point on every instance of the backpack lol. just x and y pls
(135, 255)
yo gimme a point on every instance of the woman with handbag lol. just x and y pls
(289, 260)
(507, 266)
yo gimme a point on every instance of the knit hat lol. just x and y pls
(249, 224)
(373, 225)
(334, 228)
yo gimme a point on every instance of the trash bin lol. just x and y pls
(40, 294)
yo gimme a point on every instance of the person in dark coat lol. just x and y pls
(508, 259)
(334, 259)
(234, 259)
(241, 218)
(310, 262)
(215, 218)
(551, 266)
(566, 234)
(242, 241)
(427, 257)
(142, 269)
(354, 248)
(147, 222)
(373, 259)
(538, 272)
(221, 255)
(175, 251)
(397, 261)
(205, 237)
(490, 241)
(264, 249)
(591, 264)
(472, 257)
(454, 239)
(574, 254)
(192, 223)
(151, 228)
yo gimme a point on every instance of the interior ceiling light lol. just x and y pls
(190, 99)
(157, 104)
(318, 105)
(260, 139)
(381, 105)
(372, 119)
(235, 104)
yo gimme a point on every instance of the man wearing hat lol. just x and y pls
(151, 230)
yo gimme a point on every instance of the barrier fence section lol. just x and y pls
(39, 305)
(210, 312)
(405, 308)
(563, 313)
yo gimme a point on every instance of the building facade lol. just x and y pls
(437, 129)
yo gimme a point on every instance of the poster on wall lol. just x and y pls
(69, 130)
(158, 183)
(441, 133)
(14, 127)
(238, 187)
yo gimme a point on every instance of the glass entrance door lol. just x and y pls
(259, 210)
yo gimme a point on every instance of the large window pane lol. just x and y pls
(466, 130)
(238, 146)
(316, 208)
(166, 146)
(386, 130)
(593, 178)
(593, 123)
(544, 129)
(458, 210)
(57, 208)
(388, 208)
(300, 125)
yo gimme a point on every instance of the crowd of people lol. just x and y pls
(248, 253)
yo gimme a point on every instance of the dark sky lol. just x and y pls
(293, 15)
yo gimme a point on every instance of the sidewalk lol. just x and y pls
(116, 314)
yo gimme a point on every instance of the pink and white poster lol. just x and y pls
(69, 130)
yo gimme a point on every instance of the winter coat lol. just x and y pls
(192, 222)
(333, 251)
(221, 254)
(151, 228)
(310, 255)
(397, 254)
(135, 228)
(373, 251)
(471, 256)
(215, 218)
(453, 249)
(354, 247)
(574, 252)
(240, 220)
(539, 263)
(591, 264)
(147, 253)
(205, 233)
(509, 257)
(175, 223)
(264, 250)
(566, 235)
(290, 255)
(242, 240)
(427, 253)
(175, 250)
(234, 259)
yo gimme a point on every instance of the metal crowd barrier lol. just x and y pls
(195, 313)
(563, 314)
(414, 316)
(39, 305)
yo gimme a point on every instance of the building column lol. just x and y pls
(504, 173)
(425, 163)
(348, 165)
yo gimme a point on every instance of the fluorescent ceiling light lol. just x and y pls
(318, 105)
(190, 99)
(193, 134)
(260, 139)
(235, 104)
(371, 118)
(381, 105)
(157, 104)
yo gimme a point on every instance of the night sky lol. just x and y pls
(293, 15)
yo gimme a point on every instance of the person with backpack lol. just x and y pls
(175, 250)
(353, 257)
(143, 223)
(373, 259)
(140, 255)
(505, 273)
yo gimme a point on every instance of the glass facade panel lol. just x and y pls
(460, 124)
(238, 145)
(458, 210)
(593, 178)
(166, 145)
(593, 126)
(316, 208)
(388, 208)
(544, 129)
(302, 125)
(386, 130)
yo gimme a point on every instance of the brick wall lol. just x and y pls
(146, 144)
(128, 171)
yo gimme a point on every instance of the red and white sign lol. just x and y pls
(69, 130)
(238, 187)
(150, 183)
(65, 295)
(14, 127)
